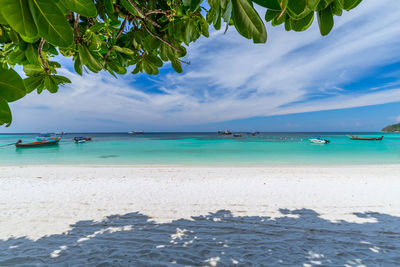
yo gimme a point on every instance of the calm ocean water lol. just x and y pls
(205, 149)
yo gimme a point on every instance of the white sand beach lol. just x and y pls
(50, 214)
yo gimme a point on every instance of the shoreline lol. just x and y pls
(217, 165)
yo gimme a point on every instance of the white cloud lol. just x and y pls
(231, 78)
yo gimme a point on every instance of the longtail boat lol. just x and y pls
(46, 142)
(354, 137)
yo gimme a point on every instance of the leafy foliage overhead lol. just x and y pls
(112, 35)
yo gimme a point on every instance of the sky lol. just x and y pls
(346, 81)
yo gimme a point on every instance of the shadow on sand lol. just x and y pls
(300, 239)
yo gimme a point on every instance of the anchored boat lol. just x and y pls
(46, 142)
(226, 132)
(319, 141)
(354, 137)
(81, 139)
(136, 132)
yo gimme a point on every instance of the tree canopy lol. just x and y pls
(112, 35)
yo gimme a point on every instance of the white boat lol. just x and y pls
(319, 141)
(136, 132)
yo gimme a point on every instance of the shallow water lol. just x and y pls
(205, 149)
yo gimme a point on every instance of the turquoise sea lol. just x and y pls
(204, 149)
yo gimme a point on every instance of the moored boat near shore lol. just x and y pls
(354, 137)
(319, 141)
(226, 132)
(81, 139)
(45, 142)
(136, 132)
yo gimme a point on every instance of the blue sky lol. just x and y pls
(346, 81)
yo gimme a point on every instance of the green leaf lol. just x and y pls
(217, 21)
(325, 20)
(33, 82)
(32, 55)
(279, 20)
(115, 68)
(302, 24)
(62, 7)
(322, 4)
(2, 19)
(298, 9)
(195, 4)
(336, 8)
(189, 29)
(270, 4)
(204, 28)
(5, 113)
(123, 50)
(51, 23)
(108, 4)
(350, 4)
(12, 86)
(78, 66)
(137, 68)
(61, 79)
(16, 56)
(312, 4)
(176, 65)
(247, 21)
(87, 58)
(86, 8)
(130, 8)
(33, 70)
(147, 68)
(30, 39)
(14, 36)
(50, 84)
(18, 16)
(288, 27)
(271, 14)
(156, 61)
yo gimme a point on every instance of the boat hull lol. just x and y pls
(366, 138)
(39, 143)
(319, 141)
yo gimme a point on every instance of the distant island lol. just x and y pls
(395, 128)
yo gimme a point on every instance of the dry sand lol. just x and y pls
(37, 203)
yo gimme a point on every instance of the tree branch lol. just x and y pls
(158, 37)
(122, 28)
(40, 48)
(76, 29)
(283, 11)
(118, 35)
(158, 11)
(143, 14)
(182, 61)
